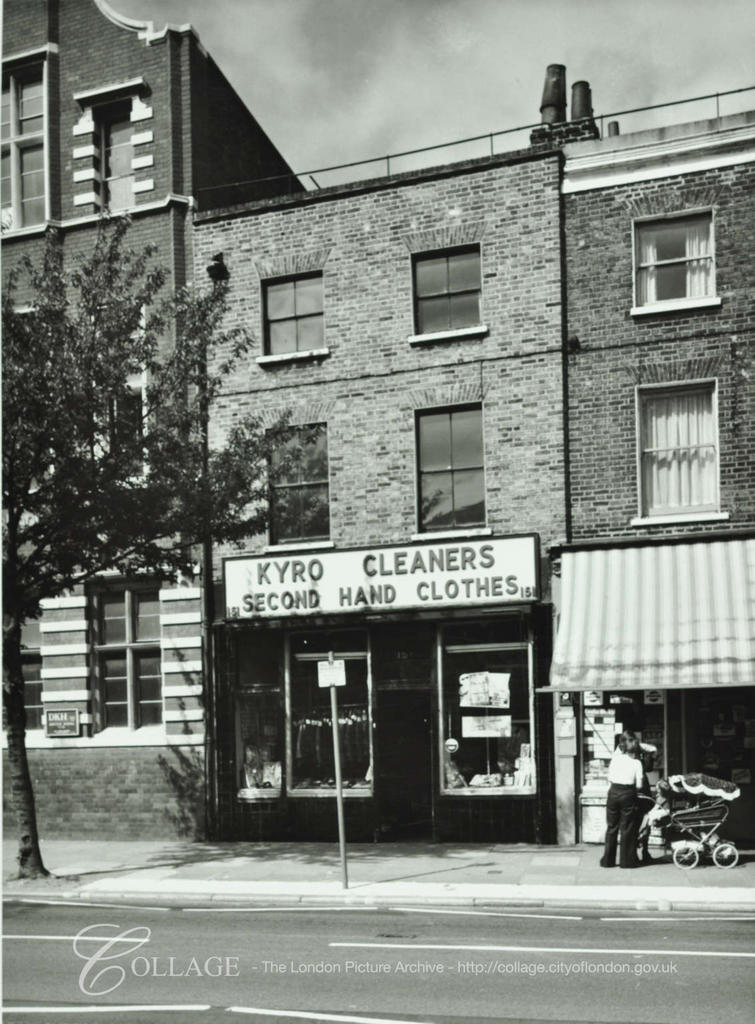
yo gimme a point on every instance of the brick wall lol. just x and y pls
(618, 352)
(372, 382)
(116, 793)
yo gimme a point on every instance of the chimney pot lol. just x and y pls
(553, 106)
(581, 101)
(613, 128)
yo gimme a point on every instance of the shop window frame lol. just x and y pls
(711, 298)
(131, 648)
(366, 792)
(32, 654)
(454, 528)
(686, 513)
(476, 793)
(15, 142)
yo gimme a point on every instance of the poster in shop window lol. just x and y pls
(484, 690)
(485, 727)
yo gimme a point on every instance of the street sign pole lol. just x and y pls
(339, 786)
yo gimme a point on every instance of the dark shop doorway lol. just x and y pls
(405, 765)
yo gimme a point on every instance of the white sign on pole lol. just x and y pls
(331, 673)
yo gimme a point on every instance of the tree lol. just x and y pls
(99, 472)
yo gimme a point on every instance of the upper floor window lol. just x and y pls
(23, 149)
(451, 468)
(128, 657)
(678, 449)
(674, 260)
(117, 152)
(293, 315)
(299, 486)
(31, 668)
(447, 291)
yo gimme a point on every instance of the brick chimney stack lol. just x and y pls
(555, 130)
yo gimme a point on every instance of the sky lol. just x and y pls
(332, 81)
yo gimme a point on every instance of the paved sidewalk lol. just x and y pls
(181, 873)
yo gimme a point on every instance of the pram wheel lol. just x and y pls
(686, 857)
(726, 855)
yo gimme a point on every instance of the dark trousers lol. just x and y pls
(621, 826)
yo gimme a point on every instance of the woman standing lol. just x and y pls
(625, 777)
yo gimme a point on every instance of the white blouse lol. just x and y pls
(625, 770)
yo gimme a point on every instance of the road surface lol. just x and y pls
(91, 963)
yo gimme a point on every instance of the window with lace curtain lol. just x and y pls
(674, 260)
(678, 449)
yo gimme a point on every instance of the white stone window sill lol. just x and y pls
(146, 736)
(33, 229)
(254, 793)
(319, 545)
(330, 791)
(474, 531)
(477, 791)
(674, 305)
(461, 332)
(682, 517)
(294, 357)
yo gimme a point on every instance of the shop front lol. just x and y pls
(658, 639)
(443, 646)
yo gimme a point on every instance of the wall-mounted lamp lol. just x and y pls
(217, 271)
(573, 344)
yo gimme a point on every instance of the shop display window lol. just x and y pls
(259, 717)
(311, 735)
(605, 715)
(486, 709)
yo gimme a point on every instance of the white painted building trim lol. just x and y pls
(180, 618)
(683, 517)
(138, 162)
(184, 715)
(294, 357)
(65, 695)
(181, 594)
(479, 531)
(651, 159)
(140, 111)
(672, 305)
(50, 650)
(130, 85)
(190, 690)
(315, 545)
(39, 51)
(77, 672)
(86, 174)
(68, 626)
(84, 152)
(147, 736)
(86, 199)
(175, 643)
(140, 138)
(148, 185)
(179, 667)
(51, 603)
(462, 332)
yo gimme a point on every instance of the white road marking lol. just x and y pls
(178, 1007)
(83, 903)
(538, 949)
(488, 913)
(310, 1015)
(66, 938)
(732, 918)
(272, 910)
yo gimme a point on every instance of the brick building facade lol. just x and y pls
(103, 113)
(657, 579)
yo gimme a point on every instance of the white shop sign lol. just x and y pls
(464, 573)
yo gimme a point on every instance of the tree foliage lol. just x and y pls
(108, 383)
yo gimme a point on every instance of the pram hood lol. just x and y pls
(707, 785)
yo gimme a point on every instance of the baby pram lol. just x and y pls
(691, 831)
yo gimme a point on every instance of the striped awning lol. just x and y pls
(657, 617)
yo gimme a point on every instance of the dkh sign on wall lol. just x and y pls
(415, 576)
